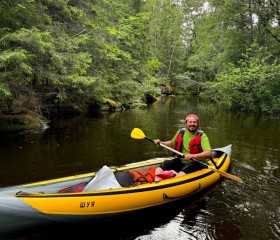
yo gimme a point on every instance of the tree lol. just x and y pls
(252, 85)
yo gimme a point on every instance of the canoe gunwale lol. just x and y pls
(131, 189)
(25, 205)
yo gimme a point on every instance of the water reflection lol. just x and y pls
(86, 143)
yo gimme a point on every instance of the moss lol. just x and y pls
(15, 122)
(109, 104)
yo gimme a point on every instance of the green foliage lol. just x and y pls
(149, 86)
(31, 39)
(165, 38)
(185, 83)
(121, 50)
(18, 14)
(28, 50)
(253, 85)
(14, 65)
(224, 31)
(4, 91)
(153, 65)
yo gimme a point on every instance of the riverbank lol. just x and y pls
(29, 120)
(16, 122)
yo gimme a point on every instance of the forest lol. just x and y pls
(73, 56)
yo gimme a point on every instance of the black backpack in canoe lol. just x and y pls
(135, 177)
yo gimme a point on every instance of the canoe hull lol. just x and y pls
(40, 203)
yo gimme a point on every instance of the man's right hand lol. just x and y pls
(157, 142)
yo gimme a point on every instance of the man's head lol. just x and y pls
(192, 122)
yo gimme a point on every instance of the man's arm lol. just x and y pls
(198, 156)
(166, 143)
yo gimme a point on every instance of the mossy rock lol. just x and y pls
(16, 122)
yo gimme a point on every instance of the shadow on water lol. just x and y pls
(135, 225)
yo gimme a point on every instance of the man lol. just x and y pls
(192, 142)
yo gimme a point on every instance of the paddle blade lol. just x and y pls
(227, 175)
(137, 133)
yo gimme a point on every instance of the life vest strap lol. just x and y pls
(143, 178)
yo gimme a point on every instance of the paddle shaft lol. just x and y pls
(169, 148)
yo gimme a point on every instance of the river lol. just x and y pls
(85, 143)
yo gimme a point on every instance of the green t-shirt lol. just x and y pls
(187, 137)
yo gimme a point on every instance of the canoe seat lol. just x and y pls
(76, 188)
(216, 153)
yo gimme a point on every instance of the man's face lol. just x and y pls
(192, 124)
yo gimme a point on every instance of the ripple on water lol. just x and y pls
(256, 203)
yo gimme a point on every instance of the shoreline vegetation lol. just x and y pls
(27, 120)
(70, 57)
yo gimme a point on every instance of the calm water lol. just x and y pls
(83, 144)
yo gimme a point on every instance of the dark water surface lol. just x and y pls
(83, 144)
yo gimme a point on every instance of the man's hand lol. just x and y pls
(157, 142)
(190, 157)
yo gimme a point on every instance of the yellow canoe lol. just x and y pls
(43, 202)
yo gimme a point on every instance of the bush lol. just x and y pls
(253, 85)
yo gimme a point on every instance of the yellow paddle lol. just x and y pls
(139, 134)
